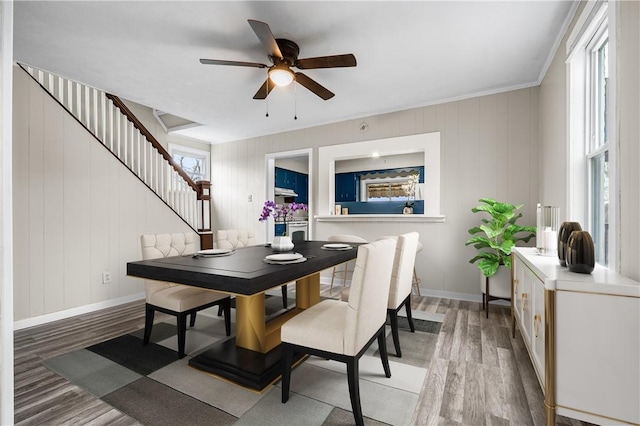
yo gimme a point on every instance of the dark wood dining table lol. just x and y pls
(251, 357)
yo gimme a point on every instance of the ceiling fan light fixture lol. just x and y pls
(281, 75)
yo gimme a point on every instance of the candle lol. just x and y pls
(550, 238)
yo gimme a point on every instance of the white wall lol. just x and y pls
(6, 251)
(489, 148)
(553, 113)
(629, 136)
(380, 163)
(145, 115)
(78, 211)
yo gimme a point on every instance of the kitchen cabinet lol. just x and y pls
(296, 181)
(285, 178)
(302, 188)
(582, 332)
(346, 187)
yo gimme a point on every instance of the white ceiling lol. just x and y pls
(409, 54)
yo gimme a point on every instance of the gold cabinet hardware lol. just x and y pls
(524, 301)
(536, 323)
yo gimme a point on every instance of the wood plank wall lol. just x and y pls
(489, 148)
(77, 211)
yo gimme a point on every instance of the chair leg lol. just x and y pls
(393, 316)
(407, 305)
(285, 301)
(416, 281)
(333, 275)
(382, 348)
(287, 358)
(219, 310)
(353, 377)
(344, 275)
(226, 307)
(192, 323)
(148, 323)
(182, 334)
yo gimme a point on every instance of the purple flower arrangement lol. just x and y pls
(280, 213)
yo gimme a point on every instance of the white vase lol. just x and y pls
(282, 243)
(407, 210)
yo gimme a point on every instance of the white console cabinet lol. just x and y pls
(582, 332)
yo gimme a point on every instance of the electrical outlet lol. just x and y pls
(106, 277)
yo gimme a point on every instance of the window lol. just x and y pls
(598, 144)
(387, 190)
(194, 162)
(591, 157)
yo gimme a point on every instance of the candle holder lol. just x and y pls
(548, 225)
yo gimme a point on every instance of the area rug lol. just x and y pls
(151, 385)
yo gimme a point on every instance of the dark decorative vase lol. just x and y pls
(581, 255)
(563, 236)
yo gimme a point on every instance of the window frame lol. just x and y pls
(193, 153)
(596, 23)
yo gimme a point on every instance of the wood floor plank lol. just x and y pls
(474, 399)
(515, 397)
(453, 398)
(428, 409)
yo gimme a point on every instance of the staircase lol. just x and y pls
(115, 126)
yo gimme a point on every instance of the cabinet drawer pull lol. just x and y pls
(515, 285)
(524, 301)
(536, 323)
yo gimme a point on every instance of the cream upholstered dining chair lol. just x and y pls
(343, 331)
(176, 299)
(400, 287)
(344, 270)
(235, 238)
(401, 280)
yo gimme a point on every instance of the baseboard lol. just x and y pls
(435, 293)
(68, 313)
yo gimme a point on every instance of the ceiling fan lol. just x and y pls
(283, 54)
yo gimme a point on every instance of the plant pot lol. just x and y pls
(499, 283)
(407, 210)
(282, 243)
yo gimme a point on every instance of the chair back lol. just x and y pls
(155, 246)
(367, 305)
(235, 238)
(402, 274)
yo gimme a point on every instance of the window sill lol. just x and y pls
(380, 218)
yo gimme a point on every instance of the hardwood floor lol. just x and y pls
(479, 374)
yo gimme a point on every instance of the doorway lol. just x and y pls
(302, 160)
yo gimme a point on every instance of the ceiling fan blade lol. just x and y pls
(234, 63)
(266, 37)
(265, 89)
(334, 61)
(314, 86)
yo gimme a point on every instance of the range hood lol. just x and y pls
(284, 192)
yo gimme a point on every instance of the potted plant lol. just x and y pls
(281, 214)
(495, 238)
(410, 190)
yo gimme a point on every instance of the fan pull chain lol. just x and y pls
(295, 101)
(266, 95)
(266, 99)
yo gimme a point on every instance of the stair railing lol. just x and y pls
(117, 128)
